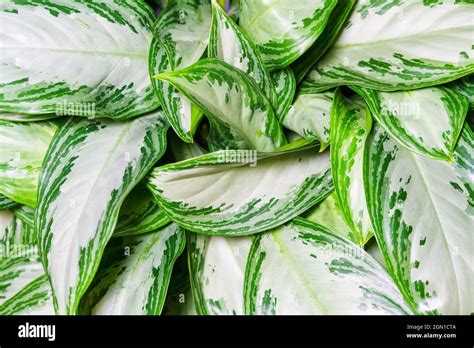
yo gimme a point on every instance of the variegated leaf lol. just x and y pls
(6, 203)
(285, 85)
(350, 126)
(24, 288)
(427, 121)
(84, 58)
(284, 29)
(231, 44)
(181, 37)
(400, 45)
(139, 214)
(217, 267)
(239, 192)
(134, 274)
(328, 213)
(15, 233)
(465, 86)
(336, 20)
(305, 268)
(422, 214)
(22, 149)
(310, 115)
(89, 169)
(231, 98)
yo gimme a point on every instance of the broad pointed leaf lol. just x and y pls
(231, 44)
(134, 274)
(89, 169)
(350, 126)
(422, 214)
(84, 58)
(427, 121)
(399, 45)
(232, 98)
(230, 193)
(284, 29)
(22, 149)
(181, 37)
(304, 268)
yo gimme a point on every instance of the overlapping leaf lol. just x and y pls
(350, 126)
(181, 37)
(134, 274)
(89, 169)
(22, 149)
(94, 61)
(304, 268)
(241, 192)
(422, 214)
(427, 121)
(399, 45)
(232, 99)
(284, 30)
(310, 115)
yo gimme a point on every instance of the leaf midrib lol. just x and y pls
(300, 274)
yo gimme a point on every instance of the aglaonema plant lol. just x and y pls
(236, 157)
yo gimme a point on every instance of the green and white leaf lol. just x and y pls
(94, 62)
(15, 234)
(231, 44)
(350, 126)
(400, 45)
(25, 214)
(139, 214)
(284, 29)
(89, 169)
(285, 85)
(310, 115)
(212, 194)
(328, 213)
(6, 203)
(427, 121)
(465, 86)
(231, 98)
(134, 274)
(217, 267)
(336, 20)
(305, 268)
(22, 149)
(24, 288)
(422, 214)
(181, 38)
